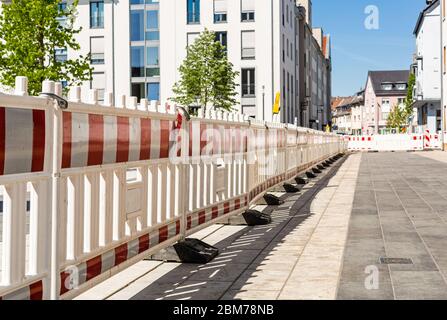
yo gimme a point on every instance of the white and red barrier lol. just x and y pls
(384, 143)
(109, 186)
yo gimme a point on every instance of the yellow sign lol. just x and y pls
(276, 106)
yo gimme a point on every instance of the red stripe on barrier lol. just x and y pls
(145, 148)
(120, 254)
(64, 277)
(237, 204)
(38, 140)
(190, 139)
(94, 267)
(2, 139)
(226, 208)
(122, 147)
(143, 243)
(188, 222)
(162, 234)
(36, 291)
(66, 140)
(164, 139)
(215, 213)
(177, 227)
(202, 217)
(95, 140)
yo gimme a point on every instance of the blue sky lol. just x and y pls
(355, 49)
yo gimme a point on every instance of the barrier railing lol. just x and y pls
(89, 190)
(394, 142)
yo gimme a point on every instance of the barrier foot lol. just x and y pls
(310, 175)
(326, 165)
(256, 218)
(316, 170)
(287, 187)
(272, 200)
(301, 180)
(320, 167)
(187, 251)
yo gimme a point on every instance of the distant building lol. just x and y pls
(347, 114)
(427, 91)
(444, 69)
(384, 90)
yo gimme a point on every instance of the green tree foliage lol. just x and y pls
(400, 115)
(207, 77)
(31, 31)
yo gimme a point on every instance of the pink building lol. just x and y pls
(384, 91)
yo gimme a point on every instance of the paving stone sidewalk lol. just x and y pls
(399, 211)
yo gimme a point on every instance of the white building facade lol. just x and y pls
(427, 68)
(137, 47)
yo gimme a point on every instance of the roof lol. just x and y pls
(422, 15)
(392, 76)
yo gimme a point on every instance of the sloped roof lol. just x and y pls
(422, 15)
(391, 76)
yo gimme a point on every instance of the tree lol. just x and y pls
(207, 77)
(400, 115)
(31, 32)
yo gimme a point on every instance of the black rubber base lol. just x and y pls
(195, 251)
(301, 181)
(290, 188)
(326, 165)
(316, 170)
(310, 175)
(272, 200)
(256, 218)
(320, 167)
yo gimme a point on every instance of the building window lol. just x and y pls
(137, 61)
(400, 101)
(387, 86)
(97, 14)
(60, 55)
(137, 25)
(222, 38)
(97, 50)
(153, 91)
(152, 26)
(152, 62)
(247, 10)
(248, 83)
(248, 45)
(401, 86)
(137, 90)
(99, 83)
(220, 11)
(193, 11)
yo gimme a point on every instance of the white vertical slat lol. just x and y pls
(105, 208)
(170, 188)
(162, 193)
(75, 217)
(119, 203)
(14, 236)
(143, 219)
(91, 212)
(193, 186)
(178, 189)
(38, 236)
(62, 241)
(152, 195)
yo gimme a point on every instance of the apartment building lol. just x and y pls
(314, 71)
(384, 91)
(427, 68)
(347, 114)
(137, 47)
